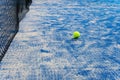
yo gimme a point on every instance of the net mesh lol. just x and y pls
(11, 13)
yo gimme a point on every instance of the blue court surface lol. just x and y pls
(43, 49)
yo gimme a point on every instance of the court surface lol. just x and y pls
(43, 49)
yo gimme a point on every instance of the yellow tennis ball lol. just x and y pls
(76, 34)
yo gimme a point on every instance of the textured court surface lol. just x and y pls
(44, 49)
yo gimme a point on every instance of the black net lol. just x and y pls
(11, 13)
